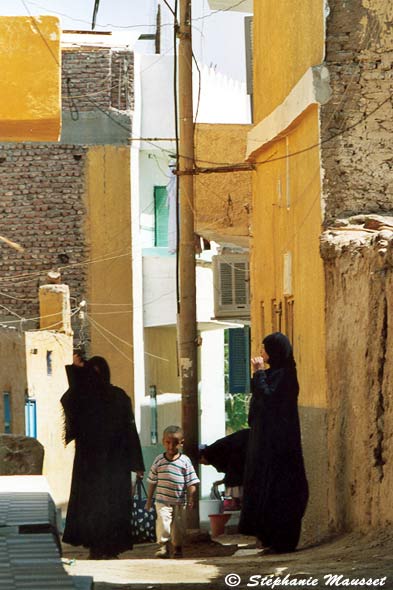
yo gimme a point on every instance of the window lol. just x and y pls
(276, 315)
(49, 362)
(7, 411)
(31, 418)
(239, 360)
(237, 395)
(289, 304)
(262, 319)
(161, 215)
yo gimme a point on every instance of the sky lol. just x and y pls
(218, 38)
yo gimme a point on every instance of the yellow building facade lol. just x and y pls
(30, 100)
(110, 274)
(287, 276)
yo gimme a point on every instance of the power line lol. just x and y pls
(244, 166)
(96, 326)
(34, 20)
(171, 9)
(136, 26)
(222, 165)
(220, 10)
(8, 296)
(97, 106)
(11, 312)
(50, 10)
(128, 343)
(364, 117)
(22, 320)
(68, 266)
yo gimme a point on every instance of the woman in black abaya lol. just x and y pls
(99, 417)
(275, 484)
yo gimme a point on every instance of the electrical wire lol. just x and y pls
(365, 116)
(242, 166)
(36, 26)
(220, 10)
(199, 92)
(118, 312)
(21, 320)
(56, 323)
(67, 266)
(128, 343)
(109, 304)
(137, 26)
(173, 11)
(8, 296)
(217, 163)
(97, 106)
(11, 312)
(318, 144)
(162, 55)
(80, 20)
(96, 326)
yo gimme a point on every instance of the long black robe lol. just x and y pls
(228, 455)
(275, 484)
(107, 448)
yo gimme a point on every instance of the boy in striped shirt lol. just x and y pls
(173, 479)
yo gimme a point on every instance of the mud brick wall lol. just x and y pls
(359, 331)
(97, 79)
(122, 91)
(42, 209)
(358, 164)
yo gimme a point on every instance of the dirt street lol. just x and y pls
(363, 561)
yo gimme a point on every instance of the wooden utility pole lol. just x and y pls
(186, 325)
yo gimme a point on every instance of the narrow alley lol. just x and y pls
(363, 559)
(196, 243)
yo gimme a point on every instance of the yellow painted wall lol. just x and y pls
(161, 372)
(30, 66)
(55, 312)
(288, 39)
(278, 228)
(47, 390)
(109, 274)
(222, 201)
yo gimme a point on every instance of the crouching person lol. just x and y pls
(173, 480)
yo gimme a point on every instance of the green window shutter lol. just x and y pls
(161, 214)
(239, 360)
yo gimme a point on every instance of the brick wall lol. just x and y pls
(41, 208)
(358, 163)
(97, 78)
(42, 188)
(122, 92)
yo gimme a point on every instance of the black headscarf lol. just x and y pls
(279, 350)
(100, 374)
